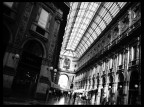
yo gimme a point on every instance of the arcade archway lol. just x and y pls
(120, 89)
(134, 88)
(28, 68)
(63, 81)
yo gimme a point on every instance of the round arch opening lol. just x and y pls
(28, 70)
(63, 81)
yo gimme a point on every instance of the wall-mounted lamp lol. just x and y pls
(136, 85)
(51, 68)
(16, 56)
(55, 70)
(120, 86)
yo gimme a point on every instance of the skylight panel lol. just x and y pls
(87, 35)
(94, 25)
(107, 18)
(98, 19)
(114, 9)
(94, 35)
(88, 42)
(90, 30)
(108, 5)
(98, 31)
(79, 24)
(102, 25)
(102, 12)
(91, 39)
(121, 4)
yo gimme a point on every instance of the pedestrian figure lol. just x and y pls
(69, 97)
(74, 97)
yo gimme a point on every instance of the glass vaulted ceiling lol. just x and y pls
(85, 24)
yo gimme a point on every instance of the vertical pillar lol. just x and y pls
(44, 81)
(10, 62)
(130, 17)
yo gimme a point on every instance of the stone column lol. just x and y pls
(130, 17)
(44, 82)
(10, 63)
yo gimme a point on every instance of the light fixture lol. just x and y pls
(51, 68)
(136, 85)
(120, 86)
(55, 70)
(109, 86)
(16, 56)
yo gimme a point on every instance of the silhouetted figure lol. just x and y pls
(74, 97)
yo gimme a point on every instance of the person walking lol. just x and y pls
(74, 97)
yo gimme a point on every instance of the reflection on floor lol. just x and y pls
(64, 100)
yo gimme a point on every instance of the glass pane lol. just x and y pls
(102, 12)
(102, 25)
(91, 40)
(121, 4)
(112, 9)
(43, 18)
(98, 31)
(90, 30)
(94, 35)
(98, 19)
(108, 5)
(107, 18)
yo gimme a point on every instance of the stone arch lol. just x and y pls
(134, 87)
(120, 80)
(29, 67)
(38, 41)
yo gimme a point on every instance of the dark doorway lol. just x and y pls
(25, 81)
(134, 88)
(120, 97)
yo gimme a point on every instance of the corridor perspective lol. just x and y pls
(71, 53)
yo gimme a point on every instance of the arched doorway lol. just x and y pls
(28, 69)
(133, 88)
(103, 94)
(110, 89)
(120, 88)
(63, 81)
